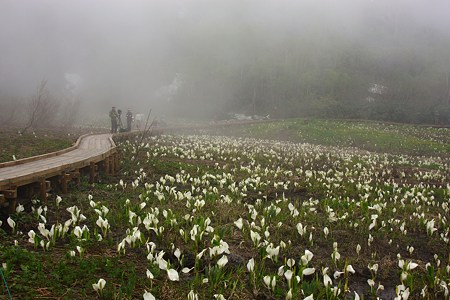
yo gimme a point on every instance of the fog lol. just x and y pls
(205, 58)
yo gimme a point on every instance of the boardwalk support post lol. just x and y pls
(44, 187)
(64, 179)
(106, 165)
(92, 172)
(112, 165)
(116, 163)
(11, 198)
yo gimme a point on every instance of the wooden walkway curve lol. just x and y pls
(39, 173)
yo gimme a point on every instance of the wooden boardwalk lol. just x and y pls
(90, 152)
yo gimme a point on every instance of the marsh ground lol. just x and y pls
(261, 195)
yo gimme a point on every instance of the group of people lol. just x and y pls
(116, 120)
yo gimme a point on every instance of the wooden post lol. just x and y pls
(112, 165)
(63, 182)
(64, 179)
(11, 196)
(106, 161)
(43, 190)
(92, 172)
(116, 163)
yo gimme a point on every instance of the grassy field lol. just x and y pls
(370, 136)
(17, 146)
(296, 209)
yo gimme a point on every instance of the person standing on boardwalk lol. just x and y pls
(129, 119)
(119, 122)
(114, 119)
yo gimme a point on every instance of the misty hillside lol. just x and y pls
(385, 60)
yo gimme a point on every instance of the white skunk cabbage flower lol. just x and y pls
(99, 286)
(148, 296)
(173, 275)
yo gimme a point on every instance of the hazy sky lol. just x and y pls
(129, 52)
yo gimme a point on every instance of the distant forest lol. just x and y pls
(390, 66)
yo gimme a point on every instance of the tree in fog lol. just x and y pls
(42, 109)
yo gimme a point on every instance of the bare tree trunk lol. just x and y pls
(35, 105)
(42, 108)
